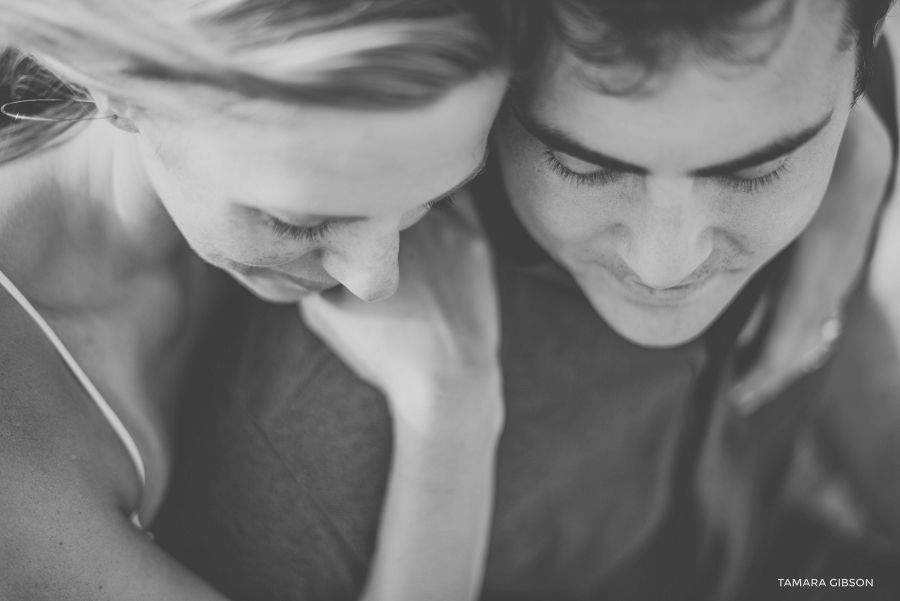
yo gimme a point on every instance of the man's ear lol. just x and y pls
(117, 113)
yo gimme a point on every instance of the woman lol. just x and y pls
(286, 143)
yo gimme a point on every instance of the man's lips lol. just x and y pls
(672, 294)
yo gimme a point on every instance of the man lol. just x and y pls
(659, 162)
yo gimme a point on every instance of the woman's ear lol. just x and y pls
(123, 123)
(116, 113)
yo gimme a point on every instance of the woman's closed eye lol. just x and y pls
(442, 204)
(314, 233)
(282, 229)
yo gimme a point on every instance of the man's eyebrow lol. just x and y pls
(558, 140)
(769, 152)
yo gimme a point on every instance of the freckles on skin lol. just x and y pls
(589, 224)
(366, 247)
(305, 165)
(703, 111)
(699, 119)
(767, 222)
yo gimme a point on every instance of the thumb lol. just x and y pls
(780, 368)
(760, 385)
(317, 310)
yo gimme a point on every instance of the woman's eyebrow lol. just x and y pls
(297, 219)
(294, 218)
(561, 141)
(466, 181)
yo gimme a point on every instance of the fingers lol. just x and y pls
(782, 365)
(760, 386)
(464, 205)
(446, 228)
(311, 310)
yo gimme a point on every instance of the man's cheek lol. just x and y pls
(551, 216)
(572, 234)
(796, 212)
(766, 237)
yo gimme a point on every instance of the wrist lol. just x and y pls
(448, 405)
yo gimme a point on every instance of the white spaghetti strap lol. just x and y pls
(83, 379)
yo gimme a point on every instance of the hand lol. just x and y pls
(438, 336)
(432, 349)
(830, 260)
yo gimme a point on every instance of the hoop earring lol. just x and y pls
(20, 117)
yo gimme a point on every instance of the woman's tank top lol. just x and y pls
(108, 413)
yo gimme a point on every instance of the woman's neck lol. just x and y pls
(82, 212)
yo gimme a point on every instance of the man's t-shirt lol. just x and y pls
(623, 473)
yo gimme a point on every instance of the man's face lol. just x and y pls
(662, 205)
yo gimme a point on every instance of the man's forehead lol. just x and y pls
(700, 114)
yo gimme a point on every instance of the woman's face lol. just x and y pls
(663, 205)
(291, 200)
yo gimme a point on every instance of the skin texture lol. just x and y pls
(433, 349)
(661, 254)
(95, 231)
(366, 173)
(830, 259)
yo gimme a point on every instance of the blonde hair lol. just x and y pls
(372, 54)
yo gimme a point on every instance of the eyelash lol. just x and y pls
(606, 176)
(753, 185)
(295, 232)
(443, 204)
(598, 178)
(317, 232)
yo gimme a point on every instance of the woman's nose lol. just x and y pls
(670, 240)
(366, 263)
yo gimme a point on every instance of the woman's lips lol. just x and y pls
(310, 285)
(258, 276)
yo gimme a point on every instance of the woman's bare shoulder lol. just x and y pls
(66, 487)
(51, 433)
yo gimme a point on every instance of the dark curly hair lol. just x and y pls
(644, 33)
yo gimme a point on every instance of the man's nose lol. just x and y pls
(670, 239)
(367, 263)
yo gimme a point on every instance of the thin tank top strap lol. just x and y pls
(107, 411)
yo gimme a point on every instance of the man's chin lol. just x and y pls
(659, 326)
(661, 335)
(664, 320)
